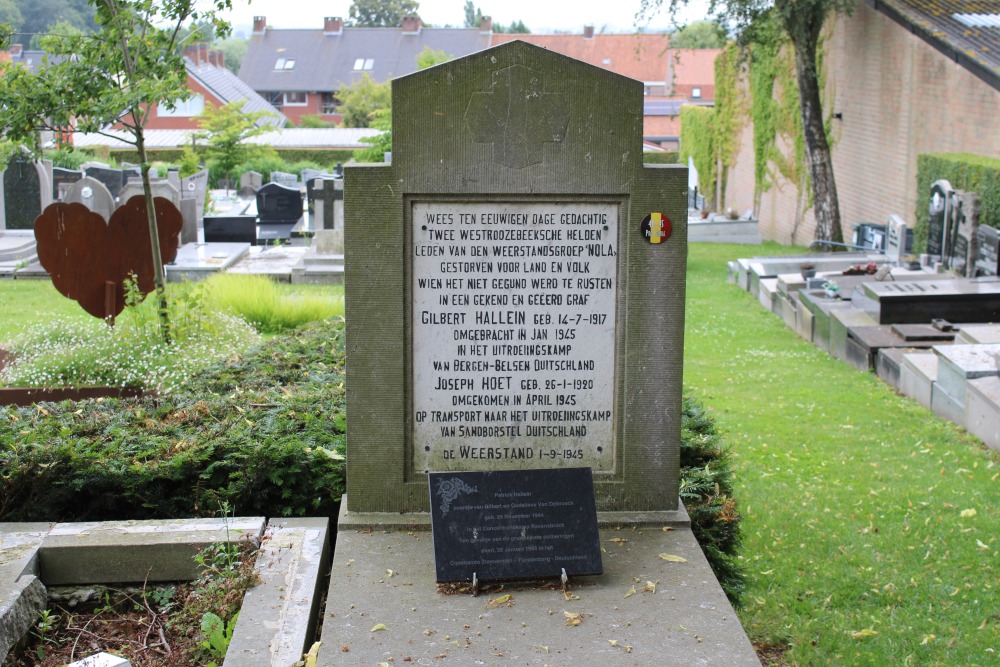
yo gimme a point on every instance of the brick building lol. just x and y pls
(905, 77)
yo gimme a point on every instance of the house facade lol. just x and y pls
(300, 71)
(904, 77)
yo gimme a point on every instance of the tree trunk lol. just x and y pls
(159, 276)
(826, 207)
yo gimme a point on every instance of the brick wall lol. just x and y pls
(899, 97)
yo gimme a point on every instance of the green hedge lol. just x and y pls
(666, 157)
(324, 156)
(965, 171)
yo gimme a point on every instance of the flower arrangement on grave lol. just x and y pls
(861, 269)
(831, 289)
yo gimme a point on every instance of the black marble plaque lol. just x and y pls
(230, 229)
(22, 193)
(514, 524)
(988, 255)
(113, 179)
(938, 215)
(63, 176)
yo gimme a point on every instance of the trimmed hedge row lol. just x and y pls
(965, 171)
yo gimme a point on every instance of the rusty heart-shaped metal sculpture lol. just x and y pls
(83, 253)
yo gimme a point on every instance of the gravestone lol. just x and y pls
(284, 178)
(195, 186)
(63, 177)
(190, 208)
(938, 215)
(898, 239)
(94, 195)
(499, 282)
(250, 183)
(988, 257)
(26, 192)
(307, 175)
(159, 189)
(113, 179)
(174, 177)
(327, 198)
(961, 241)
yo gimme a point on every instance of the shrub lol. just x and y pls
(706, 475)
(262, 434)
(965, 171)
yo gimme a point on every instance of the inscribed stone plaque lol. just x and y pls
(514, 524)
(513, 334)
(988, 257)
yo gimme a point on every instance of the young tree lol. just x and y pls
(473, 14)
(226, 130)
(802, 21)
(362, 98)
(699, 35)
(110, 79)
(381, 13)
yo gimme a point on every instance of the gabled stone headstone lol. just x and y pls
(159, 188)
(250, 183)
(113, 179)
(898, 239)
(308, 174)
(284, 178)
(327, 198)
(195, 186)
(189, 214)
(938, 216)
(174, 177)
(26, 192)
(94, 195)
(961, 243)
(988, 257)
(61, 177)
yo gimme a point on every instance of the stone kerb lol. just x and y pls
(280, 613)
(521, 126)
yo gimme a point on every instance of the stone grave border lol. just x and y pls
(277, 620)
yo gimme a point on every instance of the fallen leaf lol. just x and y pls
(650, 587)
(336, 456)
(507, 599)
(965, 514)
(667, 528)
(618, 540)
(863, 634)
(630, 592)
(673, 559)
(378, 628)
(927, 640)
(574, 618)
(613, 642)
(313, 654)
(570, 596)
(389, 573)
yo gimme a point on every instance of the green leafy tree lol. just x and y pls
(361, 99)
(226, 130)
(473, 15)
(10, 14)
(802, 21)
(381, 13)
(234, 50)
(515, 28)
(110, 79)
(40, 15)
(699, 35)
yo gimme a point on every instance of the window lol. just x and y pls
(696, 92)
(274, 99)
(296, 99)
(188, 108)
(284, 63)
(329, 103)
(364, 64)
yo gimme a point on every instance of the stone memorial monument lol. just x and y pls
(988, 258)
(938, 215)
(93, 194)
(961, 241)
(515, 284)
(26, 191)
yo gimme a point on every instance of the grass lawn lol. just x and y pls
(870, 525)
(22, 302)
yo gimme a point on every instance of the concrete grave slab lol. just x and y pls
(972, 334)
(197, 261)
(917, 372)
(767, 288)
(957, 364)
(840, 321)
(982, 410)
(22, 595)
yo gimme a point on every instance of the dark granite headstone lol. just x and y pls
(113, 179)
(23, 192)
(278, 204)
(62, 176)
(962, 239)
(938, 214)
(514, 524)
(988, 257)
(230, 229)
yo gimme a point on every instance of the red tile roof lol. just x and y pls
(641, 56)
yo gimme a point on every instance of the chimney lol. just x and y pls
(217, 57)
(588, 32)
(191, 53)
(203, 53)
(486, 24)
(333, 25)
(16, 50)
(259, 25)
(411, 24)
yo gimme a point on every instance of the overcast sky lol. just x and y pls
(609, 15)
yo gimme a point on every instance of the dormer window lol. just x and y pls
(284, 63)
(364, 64)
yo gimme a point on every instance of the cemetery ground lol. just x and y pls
(869, 525)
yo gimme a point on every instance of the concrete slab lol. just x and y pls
(17, 247)
(387, 579)
(728, 231)
(788, 308)
(125, 551)
(972, 334)
(22, 595)
(804, 322)
(841, 320)
(197, 261)
(278, 618)
(957, 364)
(887, 363)
(946, 406)
(275, 262)
(982, 410)
(917, 372)
(767, 289)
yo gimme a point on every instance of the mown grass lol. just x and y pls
(23, 302)
(870, 525)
